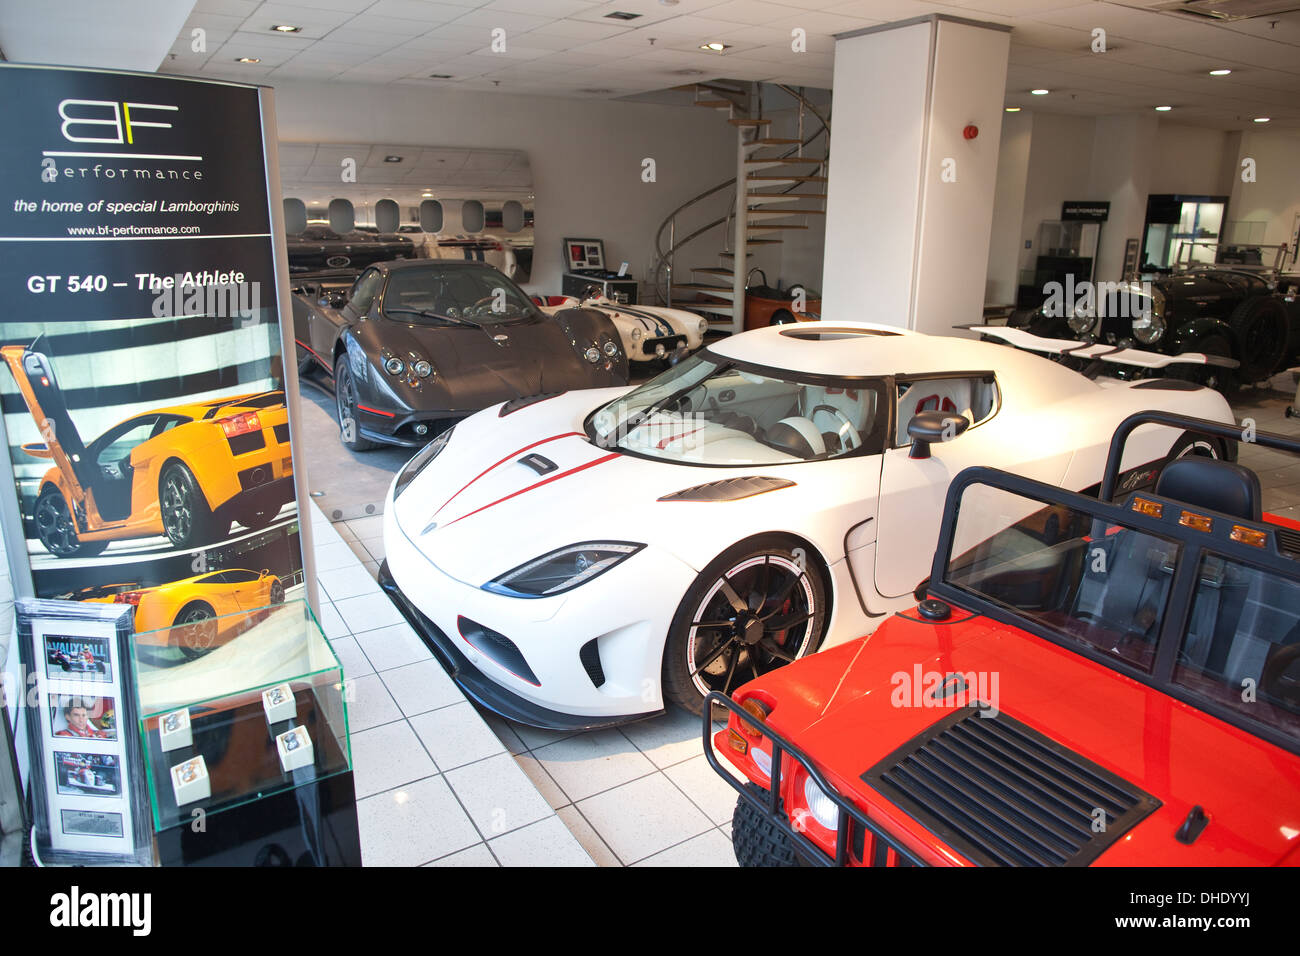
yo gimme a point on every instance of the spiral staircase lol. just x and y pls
(779, 186)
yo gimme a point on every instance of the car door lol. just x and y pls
(912, 490)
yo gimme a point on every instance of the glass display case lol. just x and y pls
(244, 730)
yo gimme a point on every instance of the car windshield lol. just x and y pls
(478, 296)
(1108, 587)
(710, 411)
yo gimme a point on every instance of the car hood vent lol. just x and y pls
(730, 489)
(1002, 794)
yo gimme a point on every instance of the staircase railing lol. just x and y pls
(661, 268)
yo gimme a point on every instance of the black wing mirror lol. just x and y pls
(336, 300)
(928, 427)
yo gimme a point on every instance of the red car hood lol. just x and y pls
(851, 706)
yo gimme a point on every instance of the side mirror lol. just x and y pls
(336, 300)
(928, 427)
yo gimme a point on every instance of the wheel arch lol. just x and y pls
(174, 458)
(799, 541)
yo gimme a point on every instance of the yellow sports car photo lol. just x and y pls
(187, 472)
(197, 614)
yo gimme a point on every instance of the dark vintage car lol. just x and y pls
(414, 346)
(320, 247)
(1252, 317)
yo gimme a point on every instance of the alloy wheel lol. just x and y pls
(757, 616)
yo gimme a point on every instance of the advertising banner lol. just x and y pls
(143, 385)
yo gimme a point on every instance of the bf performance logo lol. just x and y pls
(121, 118)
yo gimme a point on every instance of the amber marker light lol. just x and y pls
(737, 742)
(756, 709)
(1251, 536)
(1200, 522)
(1153, 508)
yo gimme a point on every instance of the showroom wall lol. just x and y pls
(1274, 197)
(586, 156)
(1048, 158)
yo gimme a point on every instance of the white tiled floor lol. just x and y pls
(434, 784)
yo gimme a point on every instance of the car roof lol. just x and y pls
(866, 349)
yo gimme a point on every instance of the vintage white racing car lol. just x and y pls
(648, 332)
(576, 559)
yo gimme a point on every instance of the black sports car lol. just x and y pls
(320, 247)
(416, 345)
(1252, 317)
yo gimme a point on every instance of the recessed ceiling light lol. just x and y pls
(1013, 109)
(248, 59)
(286, 28)
(440, 76)
(1040, 92)
(668, 3)
(715, 46)
(686, 73)
(392, 159)
(1163, 109)
(426, 195)
(597, 91)
(1261, 119)
(1219, 72)
(620, 15)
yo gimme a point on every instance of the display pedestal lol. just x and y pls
(257, 814)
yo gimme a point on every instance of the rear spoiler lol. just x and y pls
(1096, 351)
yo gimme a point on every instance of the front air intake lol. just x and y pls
(497, 647)
(1002, 794)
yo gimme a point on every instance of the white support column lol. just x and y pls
(910, 198)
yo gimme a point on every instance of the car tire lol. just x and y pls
(1222, 380)
(196, 637)
(755, 839)
(769, 569)
(277, 592)
(187, 520)
(57, 530)
(1192, 445)
(1260, 324)
(345, 401)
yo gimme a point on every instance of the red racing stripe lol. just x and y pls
(547, 481)
(508, 457)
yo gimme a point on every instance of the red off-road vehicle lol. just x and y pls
(1125, 692)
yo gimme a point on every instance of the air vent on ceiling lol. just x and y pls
(1228, 10)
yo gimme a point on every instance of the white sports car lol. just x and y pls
(575, 559)
(648, 332)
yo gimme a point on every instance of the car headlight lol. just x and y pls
(592, 355)
(393, 365)
(1081, 320)
(423, 369)
(1150, 324)
(823, 810)
(637, 335)
(562, 570)
(425, 455)
(611, 349)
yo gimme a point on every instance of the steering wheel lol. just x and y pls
(477, 307)
(1273, 681)
(848, 435)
